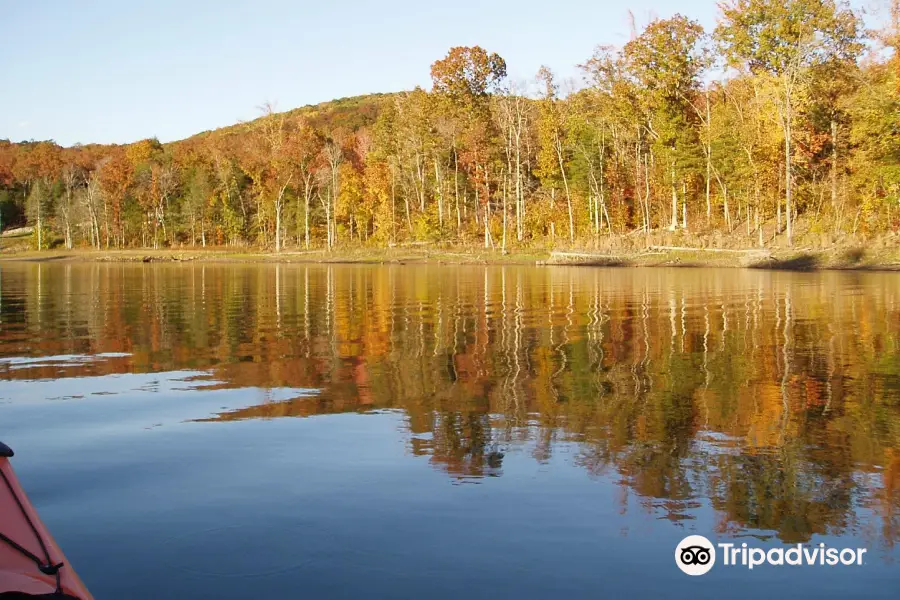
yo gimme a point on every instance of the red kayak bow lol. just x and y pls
(31, 564)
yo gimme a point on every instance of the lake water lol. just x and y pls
(285, 431)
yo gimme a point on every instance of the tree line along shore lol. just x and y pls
(776, 134)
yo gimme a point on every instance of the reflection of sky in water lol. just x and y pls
(22, 362)
(126, 399)
(335, 506)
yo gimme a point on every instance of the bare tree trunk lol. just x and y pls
(456, 191)
(90, 194)
(647, 194)
(747, 212)
(553, 216)
(506, 175)
(759, 232)
(69, 179)
(505, 188)
(487, 229)
(520, 199)
(637, 186)
(778, 215)
(278, 227)
(725, 208)
(306, 195)
(788, 184)
(162, 220)
(331, 224)
(326, 204)
(420, 182)
(393, 207)
(334, 197)
(408, 218)
(279, 208)
(40, 224)
(834, 165)
(106, 222)
(562, 171)
(602, 186)
(708, 158)
(487, 201)
(68, 227)
(440, 194)
(674, 224)
(591, 201)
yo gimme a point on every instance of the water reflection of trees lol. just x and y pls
(776, 396)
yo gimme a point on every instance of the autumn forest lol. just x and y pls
(781, 124)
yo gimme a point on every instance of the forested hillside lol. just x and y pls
(783, 123)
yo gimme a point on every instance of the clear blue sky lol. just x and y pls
(120, 71)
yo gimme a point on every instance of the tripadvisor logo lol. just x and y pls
(696, 555)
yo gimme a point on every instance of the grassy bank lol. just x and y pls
(220, 255)
(798, 259)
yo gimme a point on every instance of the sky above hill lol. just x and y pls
(109, 71)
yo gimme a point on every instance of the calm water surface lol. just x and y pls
(227, 431)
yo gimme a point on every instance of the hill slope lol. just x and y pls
(351, 113)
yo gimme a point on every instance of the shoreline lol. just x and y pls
(798, 259)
